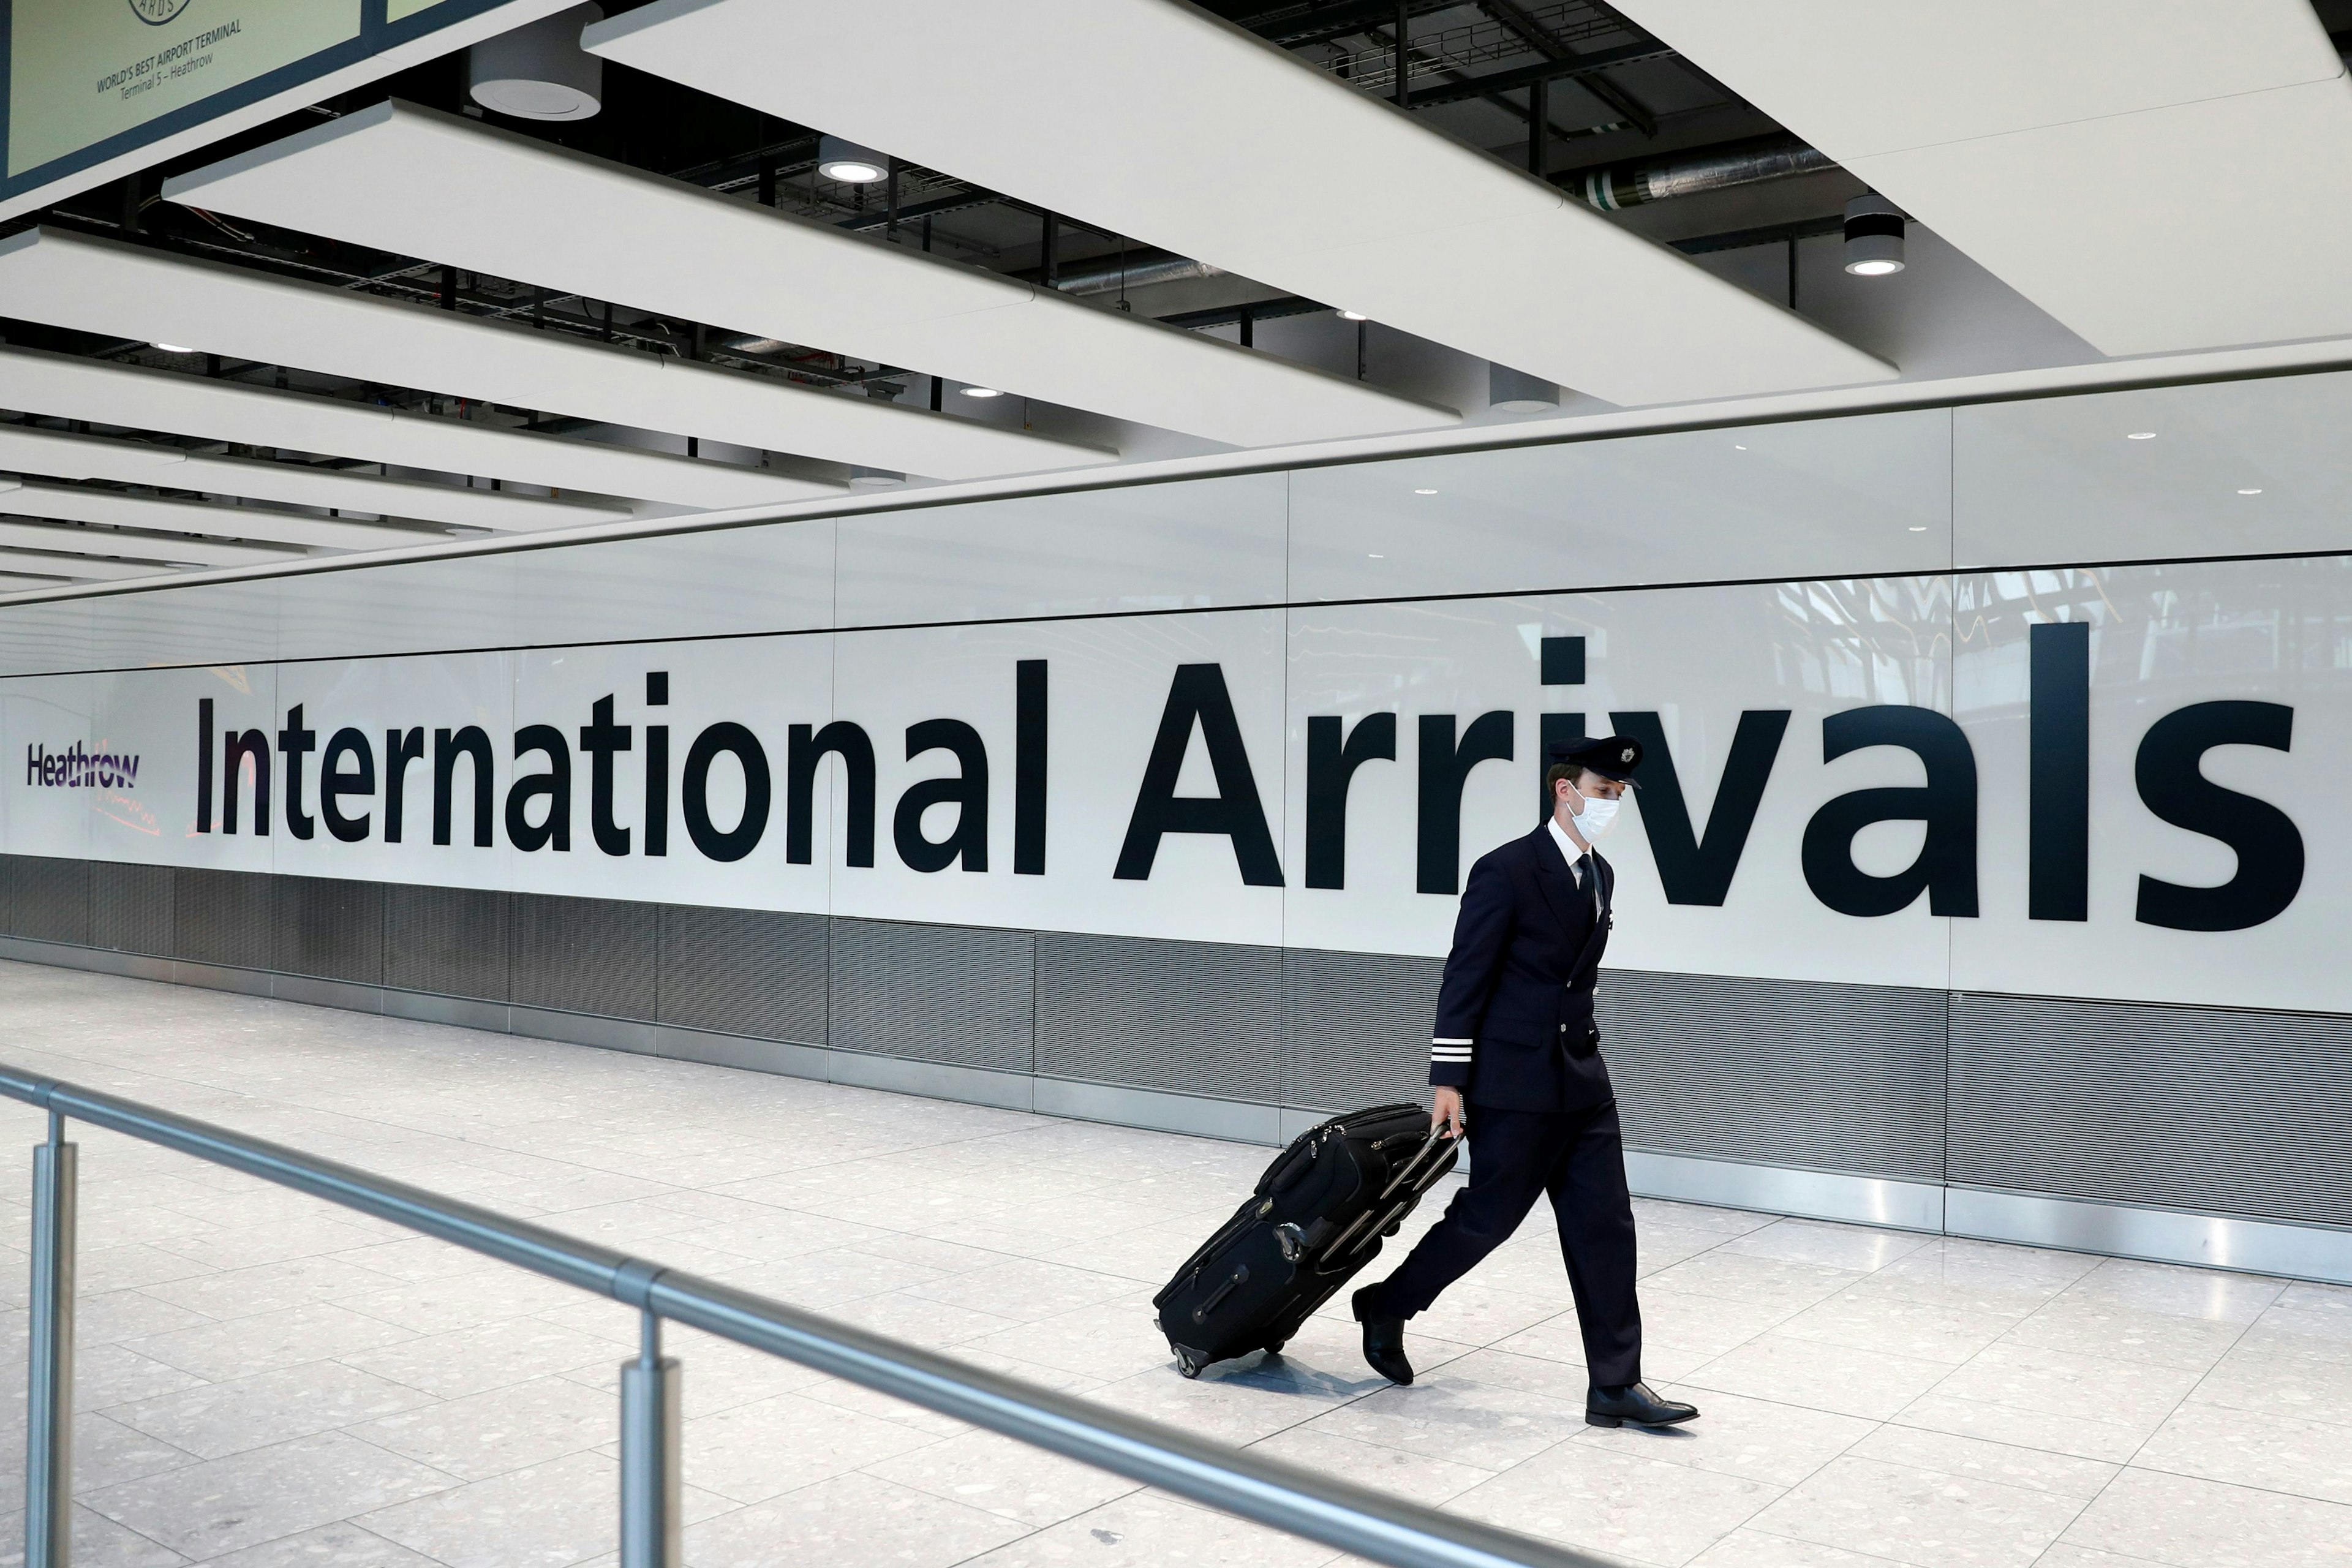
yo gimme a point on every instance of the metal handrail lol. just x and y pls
(1287, 1497)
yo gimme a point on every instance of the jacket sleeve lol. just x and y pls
(1481, 933)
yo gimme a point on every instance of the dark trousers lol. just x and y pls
(1515, 1157)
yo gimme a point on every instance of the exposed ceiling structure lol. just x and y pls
(1095, 232)
(2157, 177)
(1289, 175)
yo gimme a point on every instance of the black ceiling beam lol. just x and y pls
(1319, 25)
(1493, 82)
(1770, 234)
(1545, 42)
(1230, 315)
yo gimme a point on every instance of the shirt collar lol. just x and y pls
(1567, 848)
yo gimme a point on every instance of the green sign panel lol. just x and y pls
(82, 71)
(89, 81)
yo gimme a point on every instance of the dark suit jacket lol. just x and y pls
(1515, 1024)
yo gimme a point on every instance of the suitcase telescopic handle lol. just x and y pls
(1420, 1156)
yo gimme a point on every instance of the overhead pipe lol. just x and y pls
(1689, 175)
(1138, 269)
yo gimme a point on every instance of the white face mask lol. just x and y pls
(1594, 819)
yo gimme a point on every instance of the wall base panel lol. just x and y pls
(1782, 1189)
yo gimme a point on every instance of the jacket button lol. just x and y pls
(1563, 1028)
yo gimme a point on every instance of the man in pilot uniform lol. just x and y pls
(1516, 1040)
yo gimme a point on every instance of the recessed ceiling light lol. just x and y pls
(1737, 448)
(838, 158)
(1353, 316)
(2252, 492)
(1918, 528)
(2141, 435)
(1873, 235)
(981, 392)
(1375, 555)
(172, 348)
(1424, 492)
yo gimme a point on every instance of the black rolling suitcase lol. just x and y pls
(1317, 1218)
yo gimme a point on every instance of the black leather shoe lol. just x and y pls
(1383, 1340)
(1633, 1404)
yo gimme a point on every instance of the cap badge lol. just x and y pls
(1629, 753)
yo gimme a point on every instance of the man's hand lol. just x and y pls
(1445, 1111)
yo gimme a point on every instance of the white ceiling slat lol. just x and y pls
(56, 455)
(418, 183)
(30, 564)
(1161, 122)
(115, 510)
(2156, 174)
(107, 542)
(35, 382)
(123, 291)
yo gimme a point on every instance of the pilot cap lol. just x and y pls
(1610, 756)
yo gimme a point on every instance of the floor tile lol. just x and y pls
(1644, 1509)
(1426, 1479)
(1024, 1289)
(542, 1516)
(97, 1541)
(202, 1511)
(2276, 1452)
(104, 1452)
(1781, 1444)
(1000, 1476)
(1930, 1518)
(487, 1435)
(468, 1360)
(266, 1342)
(1452, 1418)
(1840, 1378)
(2191, 1523)
(1854, 1246)
(2037, 1469)
(329, 1546)
(1899, 1326)
(753, 1452)
(1750, 1548)
(1148, 1529)
(224, 1418)
(2103, 1326)
(849, 1521)
(2259, 1382)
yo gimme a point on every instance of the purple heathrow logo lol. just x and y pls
(79, 767)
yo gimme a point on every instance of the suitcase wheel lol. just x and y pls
(1189, 1364)
(1276, 1347)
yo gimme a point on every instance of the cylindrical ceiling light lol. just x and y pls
(1517, 392)
(1873, 235)
(839, 158)
(540, 71)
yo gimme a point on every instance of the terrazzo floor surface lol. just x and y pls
(267, 1382)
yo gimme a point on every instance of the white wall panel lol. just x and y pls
(2063, 480)
(1108, 681)
(52, 715)
(1697, 658)
(1813, 497)
(1208, 543)
(728, 581)
(2163, 638)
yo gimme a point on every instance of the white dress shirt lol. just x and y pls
(1568, 848)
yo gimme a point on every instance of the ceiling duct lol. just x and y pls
(1138, 270)
(540, 71)
(1661, 179)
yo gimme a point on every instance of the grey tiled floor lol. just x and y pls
(268, 1383)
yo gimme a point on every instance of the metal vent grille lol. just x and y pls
(450, 941)
(946, 994)
(1196, 1017)
(586, 955)
(1356, 1028)
(2168, 1107)
(330, 928)
(223, 917)
(1785, 1072)
(746, 972)
(49, 900)
(130, 908)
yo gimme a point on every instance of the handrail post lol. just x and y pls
(49, 1384)
(650, 1444)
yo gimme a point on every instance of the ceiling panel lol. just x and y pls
(1163, 122)
(138, 399)
(55, 455)
(2156, 174)
(117, 510)
(20, 562)
(123, 291)
(418, 183)
(64, 537)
